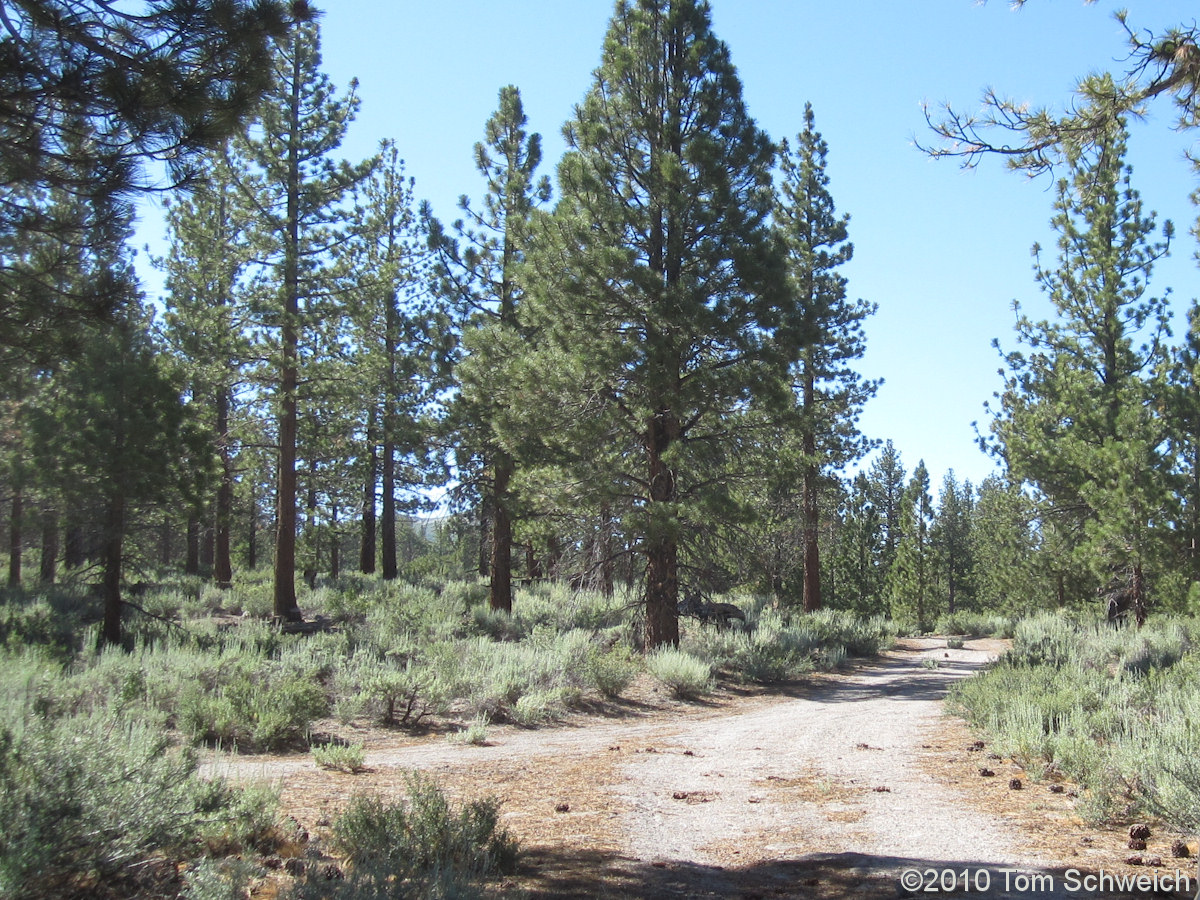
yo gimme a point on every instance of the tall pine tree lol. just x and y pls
(659, 289)
(402, 343)
(910, 579)
(480, 274)
(830, 393)
(205, 265)
(1079, 417)
(296, 191)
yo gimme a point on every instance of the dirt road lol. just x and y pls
(824, 791)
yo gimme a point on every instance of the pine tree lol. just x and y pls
(1186, 433)
(910, 579)
(830, 393)
(101, 100)
(296, 191)
(205, 325)
(856, 564)
(401, 342)
(1079, 417)
(1182, 406)
(1005, 547)
(951, 536)
(887, 478)
(480, 275)
(111, 426)
(657, 284)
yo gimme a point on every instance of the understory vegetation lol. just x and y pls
(1114, 710)
(198, 670)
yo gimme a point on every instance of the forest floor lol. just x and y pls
(832, 786)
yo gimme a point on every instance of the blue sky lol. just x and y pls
(944, 252)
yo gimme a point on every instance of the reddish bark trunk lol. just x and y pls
(662, 549)
(810, 500)
(284, 588)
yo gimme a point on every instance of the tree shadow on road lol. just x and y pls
(569, 874)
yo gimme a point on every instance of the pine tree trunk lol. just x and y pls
(284, 588)
(1193, 550)
(500, 589)
(391, 341)
(388, 525)
(810, 504)
(1138, 589)
(366, 553)
(662, 550)
(48, 570)
(15, 538)
(222, 563)
(921, 577)
(285, 515)
(114, 543)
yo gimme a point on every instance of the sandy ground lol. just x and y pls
(833, 787)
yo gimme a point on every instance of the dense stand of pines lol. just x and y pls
(647, 375)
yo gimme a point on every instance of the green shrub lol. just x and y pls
(1113, 709)
(497, 624)
(35, 623)
(219, 879)
(474, 734)
(858, 635)
(685, 675)
(832, 657)
(492, 676)
(773, 652)
(1158, 648)
(96, 794)
(556, 606)
(780, 645)
(391, 691)
(610, 671)
(425, 834)
(1045, 640)
(348, 758)
(973, 624)
(268, 712)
